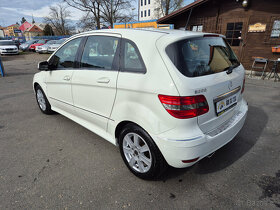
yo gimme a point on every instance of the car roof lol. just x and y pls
(170, 35)
(144, 31)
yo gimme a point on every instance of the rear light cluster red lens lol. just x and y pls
(243, 85)
(184, 107)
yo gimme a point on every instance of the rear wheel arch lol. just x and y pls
(120, 127)
(126, 123)
(158, 162)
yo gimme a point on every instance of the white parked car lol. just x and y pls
(53, 47)
(162, 96)
(8, 47)
(44, 48)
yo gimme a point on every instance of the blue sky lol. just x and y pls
(11, 11)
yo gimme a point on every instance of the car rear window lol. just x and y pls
(201, 56)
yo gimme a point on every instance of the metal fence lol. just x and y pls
(24, 39)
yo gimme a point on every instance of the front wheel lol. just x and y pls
(140, 153)
(42, 101)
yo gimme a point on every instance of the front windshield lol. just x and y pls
(41, 41)
(30, 42)
(60, 41)
(202, 56)
(2, 43)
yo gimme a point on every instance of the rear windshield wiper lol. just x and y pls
(230, 68)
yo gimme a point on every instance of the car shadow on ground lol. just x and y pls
(231, 152)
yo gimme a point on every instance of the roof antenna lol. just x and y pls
(186, 27)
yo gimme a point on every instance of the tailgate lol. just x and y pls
(223, 93)
(207, 66)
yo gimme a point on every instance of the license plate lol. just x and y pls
(225, 104)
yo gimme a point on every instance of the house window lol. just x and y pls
(233, 33)
(149, 12)
(198, 28)
(275, 33)
(145, 2)
(149, 1)
(141, 2)
(145, 13)
(141, 13)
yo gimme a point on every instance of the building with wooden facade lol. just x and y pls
(252, 27)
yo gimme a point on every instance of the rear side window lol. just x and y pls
(131, 58)
(100, 52)
(201, 56)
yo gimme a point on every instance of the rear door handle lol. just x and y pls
(67, 78)
(105, 80)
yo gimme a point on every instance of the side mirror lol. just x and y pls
(43, 66)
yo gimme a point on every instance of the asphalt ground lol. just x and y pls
(50, 162)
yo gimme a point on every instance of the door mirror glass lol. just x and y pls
(43, 66)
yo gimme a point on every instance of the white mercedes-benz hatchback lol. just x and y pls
(163, 96)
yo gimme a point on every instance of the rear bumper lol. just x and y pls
(203, 144)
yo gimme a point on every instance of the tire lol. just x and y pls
(42, 101)
(143, 159)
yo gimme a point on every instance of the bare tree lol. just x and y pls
(86, 23)
(58, 19)
(165, 7)
(103, 11)
(115, 11)
(91, 7)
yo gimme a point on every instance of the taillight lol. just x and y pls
(184, 107)
(243, 85)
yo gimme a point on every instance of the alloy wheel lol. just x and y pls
(137, 152)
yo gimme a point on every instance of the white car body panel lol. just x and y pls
(59, 89)
(101, 107)
(93, 96)
(88, 90)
